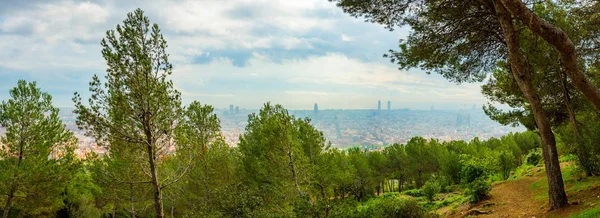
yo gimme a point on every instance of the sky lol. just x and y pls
(241, 52)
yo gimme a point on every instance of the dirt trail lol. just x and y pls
(513, 198)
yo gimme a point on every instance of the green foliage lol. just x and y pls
(430, 189)
(136, 110)
(391, 206)
(80, 197)
(472, 172)
(584, 145)
(534, 157)
(505, 164)
(568, 158)
(478, 190)
(276, 157)
(36, 153)
(414, 192)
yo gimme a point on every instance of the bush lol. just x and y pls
(534, 157)
(472, 172)
(414, 192)
(388, 206)
(430, 189)
(478, 190)
(448, 189)
(392, 207)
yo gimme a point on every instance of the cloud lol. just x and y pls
(238, 52)
(290, 92)
(346, 38)
(320, 79)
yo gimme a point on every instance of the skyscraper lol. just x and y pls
(379, 105)
(389, 105)
(316, 110)
(230, 109)
(237, 109)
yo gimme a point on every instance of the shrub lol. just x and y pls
(472, 172)
(430, 189)
(448, 189)
(478, 190)
(414, 192)
(388, 206)
(534, 157)
(392, 207)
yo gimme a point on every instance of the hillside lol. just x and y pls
(524, 195)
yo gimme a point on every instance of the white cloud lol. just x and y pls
(346, 38)
(289, 92)
(369, 81)
(60, 39)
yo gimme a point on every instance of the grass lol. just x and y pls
(590, 213)
(567, 158)
(452, 200)
(523, 171)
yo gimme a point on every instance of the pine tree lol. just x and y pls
(36, 154)
(137, 106)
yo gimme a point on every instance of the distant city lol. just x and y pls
(353, 127)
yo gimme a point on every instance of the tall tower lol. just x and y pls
(389, 105)
(237, 109)
(230, 109)
(379, 105)
(316, 110)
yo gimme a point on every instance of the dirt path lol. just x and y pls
(513, 198)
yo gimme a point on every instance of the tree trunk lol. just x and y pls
(561, 42)
(114, 212)
(11, 195)
(13, 188)
(293, 169)
(205, 181)
(132, 200)
(323, 192)
(581, 147)
(158, 204)
(522, 74)
(205, 177)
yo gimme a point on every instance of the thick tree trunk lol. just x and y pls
(561, 42)
(522, 74)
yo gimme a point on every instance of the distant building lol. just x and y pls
(379, 105)
(316, 110)
(389, 105)
(230, 109)
(237, 109)
(463, 118)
